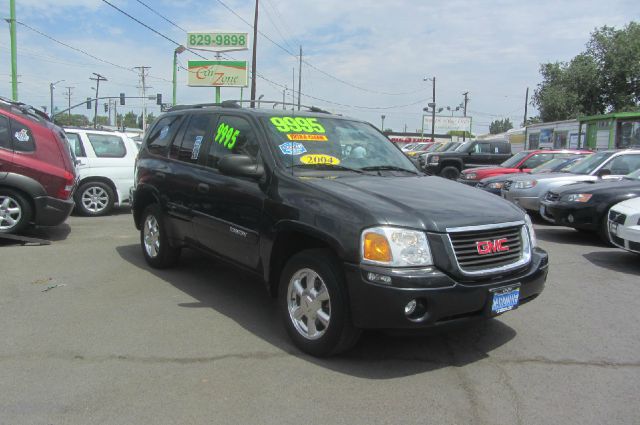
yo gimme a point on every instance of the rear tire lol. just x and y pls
(314, 304)
(94, 199)
(154, 241)
(450, 172)
(15, 211)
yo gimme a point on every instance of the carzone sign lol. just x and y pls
(218, 74)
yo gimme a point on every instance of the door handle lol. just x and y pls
(203, 188)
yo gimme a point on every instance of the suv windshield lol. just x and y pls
(514, 160)
(589, 164)
(320, 143)
(466, 146)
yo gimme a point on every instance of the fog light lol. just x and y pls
(410, 307)
(570, 218)
(379, 278)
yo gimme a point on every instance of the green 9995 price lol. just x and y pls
(217, 40)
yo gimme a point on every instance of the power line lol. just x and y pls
(310, 64)
(162, 16)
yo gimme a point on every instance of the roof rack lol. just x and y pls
(235, 104)
(25, 109)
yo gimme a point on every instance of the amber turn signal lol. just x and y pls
(376, 248)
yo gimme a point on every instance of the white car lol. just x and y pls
(106, 162)
(624, 225)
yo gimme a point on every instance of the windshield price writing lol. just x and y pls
(290, 124)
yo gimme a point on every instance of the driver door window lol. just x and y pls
(623, 164)
(232, 136)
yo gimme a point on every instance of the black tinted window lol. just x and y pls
(5, 140)
(482, 148)
(76, 145)
(232, 136)
(22, 137)
(195, 135)
(502, 148)
(162, 134)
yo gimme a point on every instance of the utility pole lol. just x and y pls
(293, 84)
(144, 87)
(526, 103)
(433, 112)
(284, 91)
(68, 95)
(97, 79)
(466, 99)
(382, 127)
(299, 77)
(14, 51)
(253, 58)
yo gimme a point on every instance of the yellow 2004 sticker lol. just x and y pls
(319, 158)
(308, 137)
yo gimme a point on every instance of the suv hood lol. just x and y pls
(552, 176)
(420, 202)
(600, 186)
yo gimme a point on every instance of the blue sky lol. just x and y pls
(384, 48)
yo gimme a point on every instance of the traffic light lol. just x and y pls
(159, 99)
(88, 103)
(106, 107)
(122, 98)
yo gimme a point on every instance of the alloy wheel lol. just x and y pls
(10, 212)
(309, 304)
(95, 199)
(151, 236)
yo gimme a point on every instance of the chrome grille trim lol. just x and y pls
(518, 256)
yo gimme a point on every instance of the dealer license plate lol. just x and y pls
(613, 228)
(505, 299)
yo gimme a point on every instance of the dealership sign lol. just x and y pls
(444, 125)
(218, 74)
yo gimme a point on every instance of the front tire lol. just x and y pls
(314, 304)
(15, 211)
(450, 172)
(154, 240)
(95, 199)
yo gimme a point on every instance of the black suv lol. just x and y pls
(474, 153)
(340, 225)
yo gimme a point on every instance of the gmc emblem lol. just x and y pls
(487, 247)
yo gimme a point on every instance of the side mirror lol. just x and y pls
(602, 173)
(241, 166)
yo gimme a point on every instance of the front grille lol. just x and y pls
(552, 197)
(466, 248)
(617, 240)
(507, 185)
(634, 246)
(617, 217)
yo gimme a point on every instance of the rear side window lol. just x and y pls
(76, 145)
(5, 139)
(22, 137)
(107, 145)
(502, 148)
(162, 133)
(188, 149)
(482, 148)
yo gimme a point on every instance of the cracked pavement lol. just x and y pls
(116, 343)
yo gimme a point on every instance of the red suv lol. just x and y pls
(522, 162)
(37, 171)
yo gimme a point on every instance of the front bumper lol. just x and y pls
(570, 214)
(52, 211)
(625, 236)
(472, 183)
(527, 201)
(378, 306)
(431, 169)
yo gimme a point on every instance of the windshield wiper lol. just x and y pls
(326, 167)
(387, 168)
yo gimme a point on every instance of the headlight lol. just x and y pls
(434, 159)
(577, 197)
(525, 184)
(391, 246)
(470, 176)
(496, 185)
(532, 233)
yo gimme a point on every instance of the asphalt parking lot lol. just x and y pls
(91, 335)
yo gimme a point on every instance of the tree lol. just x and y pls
(102, 120)
(531, 120)
(131, 120)
(75, 120)
(500, 126)
(604, 78)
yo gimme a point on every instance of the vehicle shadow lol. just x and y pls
(45, 234)
(561, 234)
(378, 355)
(616, 260)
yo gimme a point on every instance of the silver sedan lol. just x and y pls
(526, 190)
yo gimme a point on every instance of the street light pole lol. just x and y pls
(433, 112)
(51, 87)
(382, 128)
(176, 52)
